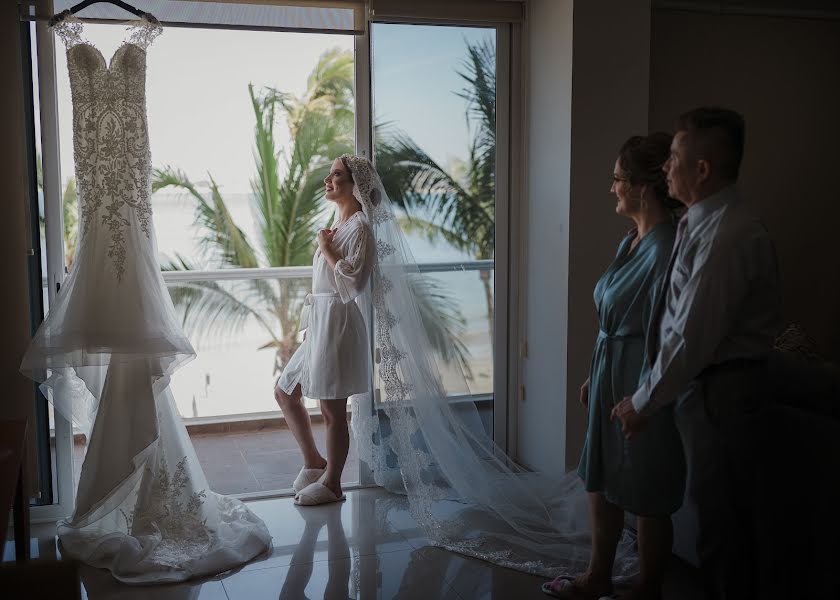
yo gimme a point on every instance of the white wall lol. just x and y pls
(589, 67)
(542, 416)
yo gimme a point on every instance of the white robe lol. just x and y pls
(333, 362)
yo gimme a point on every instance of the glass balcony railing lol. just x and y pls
(243, 324)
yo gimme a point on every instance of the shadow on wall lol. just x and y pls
(789, 96)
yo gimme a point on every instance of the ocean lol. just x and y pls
(231, 375)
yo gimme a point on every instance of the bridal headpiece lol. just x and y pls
(367, 187)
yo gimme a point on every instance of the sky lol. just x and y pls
(200, 117)
(415, 81)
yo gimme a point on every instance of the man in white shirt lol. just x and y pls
(716, 324)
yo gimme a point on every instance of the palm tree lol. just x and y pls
(457, 206)
(70, 209)
(70, 202)
(289, 209)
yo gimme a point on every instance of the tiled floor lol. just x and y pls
(367, 547)
(253, 461)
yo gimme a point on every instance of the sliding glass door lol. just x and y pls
(435, 132)
(430, 97)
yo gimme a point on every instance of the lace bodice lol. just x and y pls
(110, 133)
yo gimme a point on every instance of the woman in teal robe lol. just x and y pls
(644, 475)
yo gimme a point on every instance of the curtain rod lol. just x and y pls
(184, 25)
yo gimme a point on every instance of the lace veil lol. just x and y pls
(430, 444)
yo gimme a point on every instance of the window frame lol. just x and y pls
(507, 256)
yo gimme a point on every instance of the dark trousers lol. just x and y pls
(710, 416)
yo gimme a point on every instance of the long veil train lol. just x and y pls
(419, 440)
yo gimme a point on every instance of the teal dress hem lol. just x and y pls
(646, 474)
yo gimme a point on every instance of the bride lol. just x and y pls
(419, 439)
(331, 364)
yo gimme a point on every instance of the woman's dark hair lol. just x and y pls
(641, 159)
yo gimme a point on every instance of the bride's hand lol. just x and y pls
(325, 237)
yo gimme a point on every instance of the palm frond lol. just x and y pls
(478, 70)
(301, 201)
(265, 183)
(415, 182)
(332, 78)
(210, 309)
(442, 319)
(70, 203)
(413, 179)
(321, 126)
(463, 204)
(223, 239)
(431, 231)
(479, 75)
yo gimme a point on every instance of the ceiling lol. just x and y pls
(795, 8)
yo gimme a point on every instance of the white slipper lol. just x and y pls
(316, 494)
(307, 477)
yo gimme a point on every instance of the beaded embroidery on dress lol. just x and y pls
(111, 341)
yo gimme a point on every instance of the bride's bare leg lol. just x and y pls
(297, 418)
(338, 441)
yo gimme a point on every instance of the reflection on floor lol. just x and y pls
(367, 547)
(251, 461)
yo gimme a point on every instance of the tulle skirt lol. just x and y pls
(104, 357)
(108, 309)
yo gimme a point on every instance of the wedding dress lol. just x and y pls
(111, 341)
